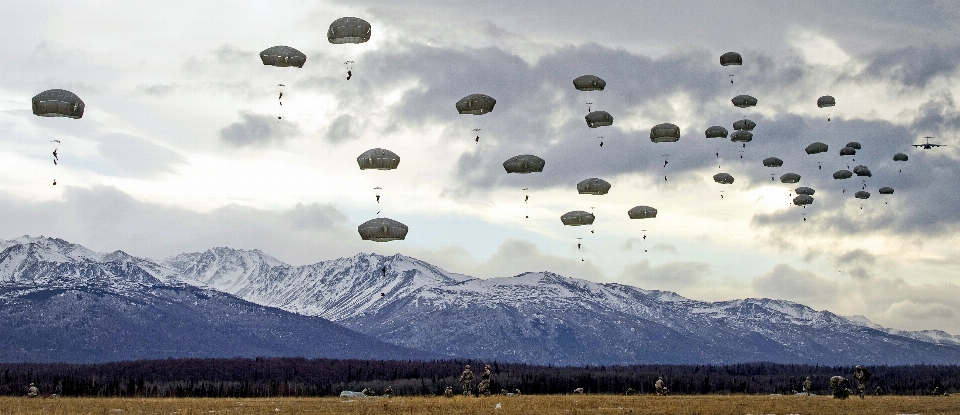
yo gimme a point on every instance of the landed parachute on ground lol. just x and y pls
(642, 212)
(886, 190)
(848, 151)
(283, 56)
(599, 119)
(731, 58)
(854, 145)
(816, 148)
(577, 218)
(379, 159)
(790, 178)
(476, 104)
(826, 101)
(744, 124)
(716, 132)
(802, 200)
(723, 178)
(348, 30)
(862, 195)
(741, 136)
(589, 83)
(744, 101)
(525, 163)
(803, 190)
(665, 133)
(842, 174)
(772, 162)
(382, 230)
(593, 186)
(57, 103)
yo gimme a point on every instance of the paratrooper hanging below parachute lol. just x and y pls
(347, 30)
(57, 103)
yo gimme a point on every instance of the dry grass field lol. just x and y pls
(550, 404)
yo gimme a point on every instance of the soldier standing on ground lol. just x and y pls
(448, 393)
(33, 392)
(661, 390)
(839, 384)
(466, 380)
(862, 375)
(879, 391)
(388, 392)
(484, 387)
(807, 385)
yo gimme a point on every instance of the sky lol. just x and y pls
(180, 148)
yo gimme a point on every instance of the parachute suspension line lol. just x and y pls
(526, 200)
(589, 107)
(644, 242)
(665, 162)
(56, 158)
(280, 101)
(376, 192)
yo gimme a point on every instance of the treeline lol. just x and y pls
(275, 377)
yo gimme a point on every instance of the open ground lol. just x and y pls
(530, 404)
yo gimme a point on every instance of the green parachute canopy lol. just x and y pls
(665, 133)
(476, 104)
(772, 162)
(900, 157)
(716, 132)
(525, 163)
(577, 218)
(816, 148)
(382, 230)
(348, 30)
(57, 103)
(593, 186)
(741, 136)
(842, 174)
(862, 195)
(589, 83)
(744, 124)
(283, 56)
(862, 171)
(731, 58)
(790, 178)
(854, 145)
(599, 119)
(803, 190)
(642, 212)
(848, 151)
(886, 190)
(826, 101)
(801, 200)
(379, 159)
(723, 178)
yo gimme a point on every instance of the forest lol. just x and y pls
(298, 377)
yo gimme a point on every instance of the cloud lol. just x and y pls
(805, 287)
(908, 312)
(343, 128)
(515, 257)
(914, 66)
(257, 129)
(671, 276)
(132, 156)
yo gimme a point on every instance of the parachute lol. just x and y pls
(523, 164)
(802, 200)
(862, 195)
(642, 212)
(379, 159)
(716, 132)
(790, 178)
(283, 56)
(589, 83)
(886, 190)
(744, 124)
(731, 58)
(665, 133)
(826, 101)
(593, 186)
(348, 30)
(382, 230)
(741, 136)
(772, 162)
(842, 174)
(854, 145)
(577, 218)
(816, 148)
(900, 157)
(744, 101)
(58, 103)
(723, 178)
(848, 151)
(803, 190)
(599, 119)
(862, 171)
(476, 104)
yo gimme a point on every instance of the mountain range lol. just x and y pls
(399, 307)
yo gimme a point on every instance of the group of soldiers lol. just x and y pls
(841, 385)
(466, 383)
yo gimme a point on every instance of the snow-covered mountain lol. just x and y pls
(549, 319)
(61, 302)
